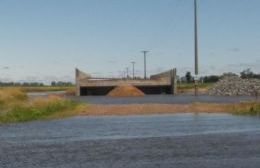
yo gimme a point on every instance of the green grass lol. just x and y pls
(23, 113)
(16, 107)
(191, 85)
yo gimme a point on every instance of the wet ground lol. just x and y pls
(163, 99)
(179, 140)
(158, 99)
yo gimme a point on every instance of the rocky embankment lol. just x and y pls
(236, 86)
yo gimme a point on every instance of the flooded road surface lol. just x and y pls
(163, 99)
(178, 140)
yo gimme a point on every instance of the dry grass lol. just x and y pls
(142, 109)
(11, 94)
(246, 108)
(71, 91)
(10, 97)
(250, 108)
(40, 88)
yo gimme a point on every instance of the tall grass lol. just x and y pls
(251, 108)
(9, 97)
(16, 107)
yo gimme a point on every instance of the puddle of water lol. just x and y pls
(118, 127)
(36, 94)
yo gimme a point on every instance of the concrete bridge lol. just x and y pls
(163, 83)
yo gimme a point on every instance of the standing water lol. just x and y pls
(121, 127)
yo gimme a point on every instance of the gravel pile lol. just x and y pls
(235, 86)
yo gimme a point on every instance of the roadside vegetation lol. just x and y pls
(183, 86)
(15, 106)
(252, 109)
(148, 109)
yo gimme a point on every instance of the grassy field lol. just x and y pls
(16, 107)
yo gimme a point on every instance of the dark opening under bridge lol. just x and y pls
(162, 83)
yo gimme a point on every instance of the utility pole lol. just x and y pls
(127, 72)
(145, 52)
(196, 47)
(133, 63)
(124, 75)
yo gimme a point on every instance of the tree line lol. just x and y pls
(245, 74)
(35, 84)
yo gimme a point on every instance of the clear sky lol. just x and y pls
(44, 40)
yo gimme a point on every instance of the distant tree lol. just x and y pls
(21, 84)
(229, 74)
(60, 83)
(53, 83)
(257, 76)
(247, 74)
(211, 79)
(188, 77)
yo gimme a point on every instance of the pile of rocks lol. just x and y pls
(235, 86)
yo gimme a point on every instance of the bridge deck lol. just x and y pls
(116, 82)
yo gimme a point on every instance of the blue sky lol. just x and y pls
(44, 40)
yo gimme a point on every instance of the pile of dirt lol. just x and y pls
(125, 91)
